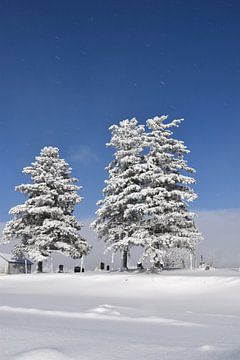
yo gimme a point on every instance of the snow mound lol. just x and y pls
(207, 348)
(41, 354)
(219, 352)
(105, 309)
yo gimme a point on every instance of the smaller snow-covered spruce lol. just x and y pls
(45, 222)
(147, 194)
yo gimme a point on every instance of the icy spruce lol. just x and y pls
(166, 191)
(45, 222)
(118, 216)
(147, 193)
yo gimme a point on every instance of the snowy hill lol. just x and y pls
(173, 315)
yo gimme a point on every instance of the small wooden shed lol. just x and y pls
(11, 265)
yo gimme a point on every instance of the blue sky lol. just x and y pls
(70, 69)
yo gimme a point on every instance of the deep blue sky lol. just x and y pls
(69, 69)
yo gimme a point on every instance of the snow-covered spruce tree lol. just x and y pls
(45, 222)
(118, 217)
(166, 192)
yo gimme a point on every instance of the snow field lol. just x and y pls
(173, 315)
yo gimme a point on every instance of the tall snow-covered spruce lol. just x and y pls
(167, 223)
(118, 216)
(45, 222)
(148, 192)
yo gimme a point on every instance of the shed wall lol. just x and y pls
(3, 266)
(15, 268)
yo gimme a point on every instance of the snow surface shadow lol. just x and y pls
(219, 352)
(204, 352)
(42, 354)
(102, 312)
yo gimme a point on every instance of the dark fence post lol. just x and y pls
(40, 267)
(124, 259)
(77, 269)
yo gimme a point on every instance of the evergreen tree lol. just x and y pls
(166, 192)
(118, 217)
(45, 222)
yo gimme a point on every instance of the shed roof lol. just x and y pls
(10, 258)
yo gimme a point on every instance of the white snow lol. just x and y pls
(190, 315)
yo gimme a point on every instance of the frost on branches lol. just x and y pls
(118, 216)
(45, 222)
(147, 194)
(166, 193)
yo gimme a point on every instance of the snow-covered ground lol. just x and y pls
(108, 316)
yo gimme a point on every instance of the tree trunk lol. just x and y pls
(124, 259)
(40, 267)
(157, 265)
